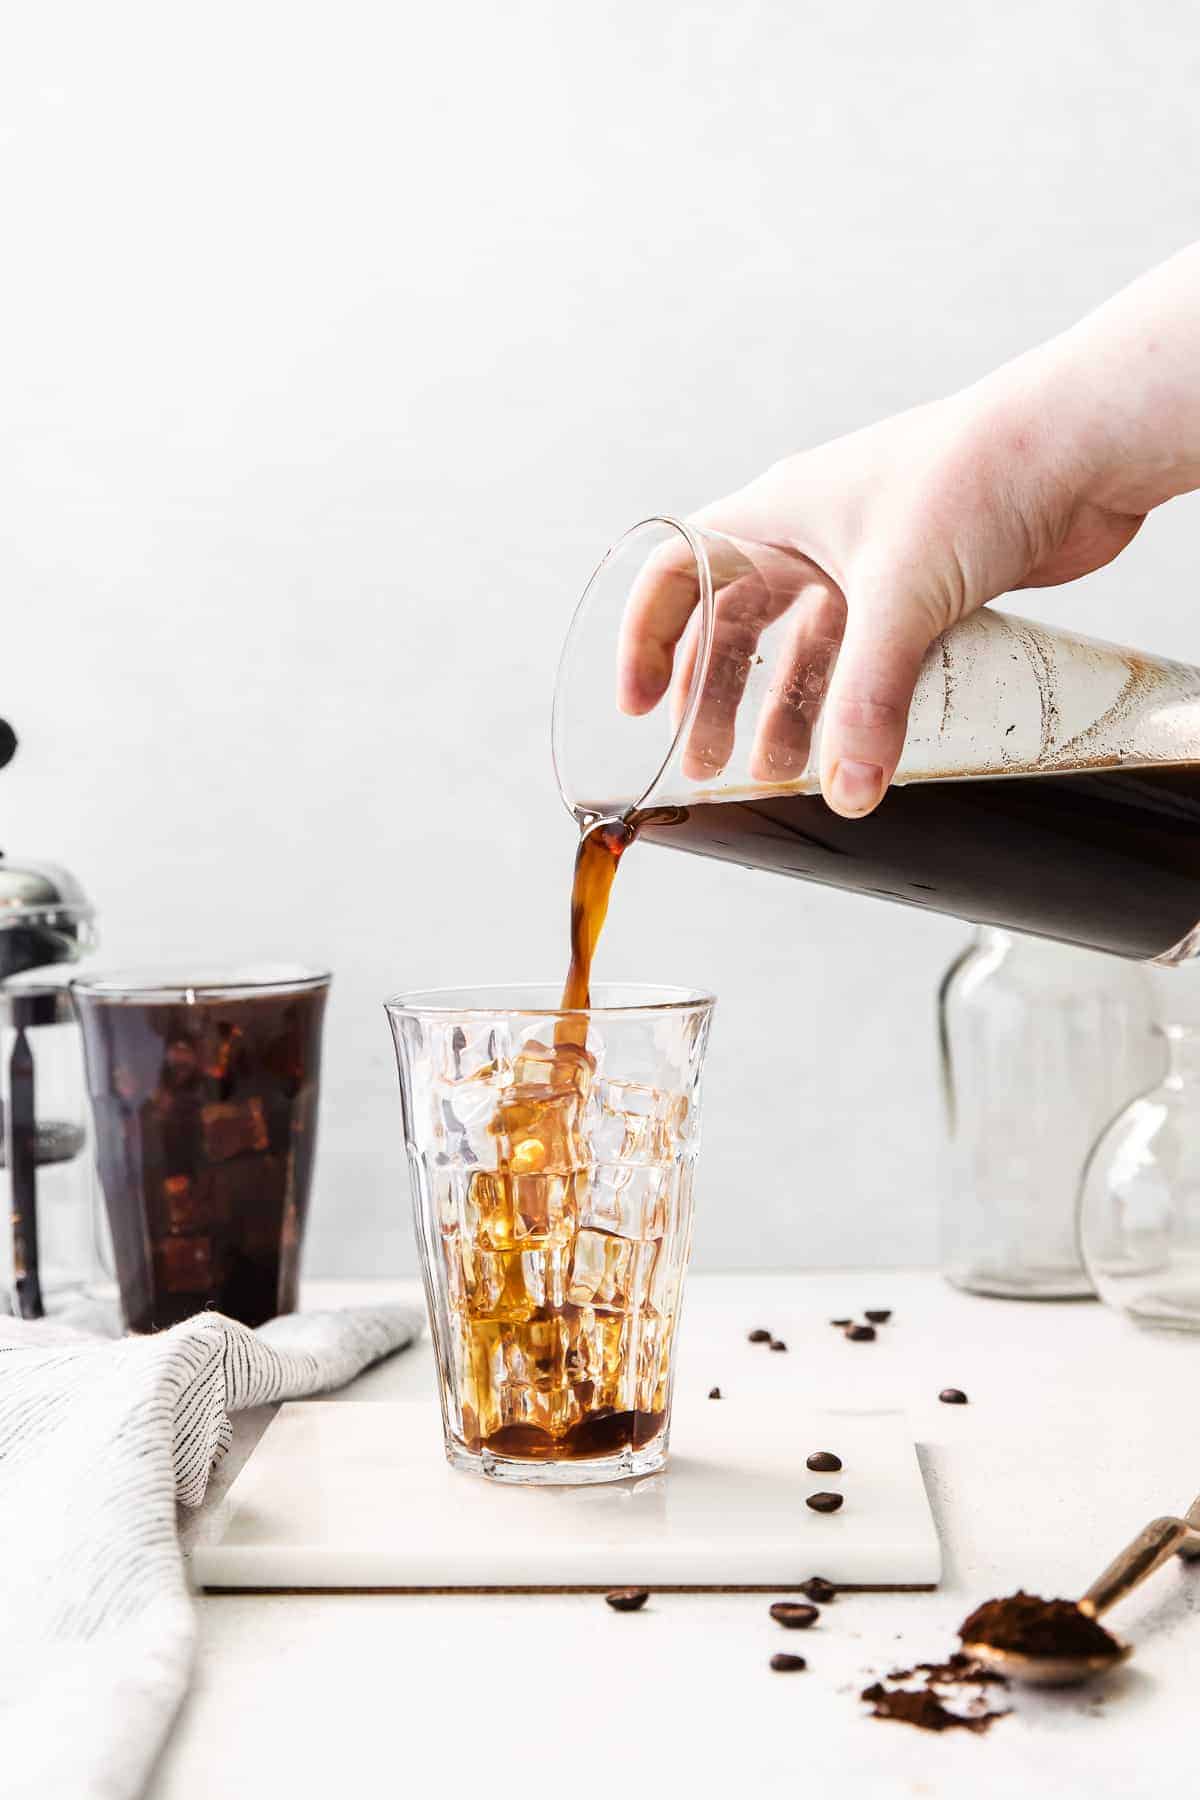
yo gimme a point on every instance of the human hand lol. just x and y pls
(1038, 474)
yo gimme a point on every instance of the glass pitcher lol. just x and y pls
(1049, 784)
(1139, 1204)
(1041, 1045)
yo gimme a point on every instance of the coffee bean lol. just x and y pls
(820, 1590)
(781, 1662)
(778, 1344)
(714, 1393)
(760, 1336)
(793, 1615)
(880, 1316)
(841, 1322)
(627, 1599)
(824, 1462)
(824, 1502)
(860, 1334)
(952, 1397)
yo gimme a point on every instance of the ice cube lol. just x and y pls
(600, 1361)
(446, 1185)
(184, 1265)
(653, 1360)
(253, 1194)
(520, 1211)
(180, 1064)
(539, 1131)
(171, 1129)
(516, 1375)
(178, 1204)
(233, 1127)
(557, 1066)
(543, 1208)
(636, 1123)
(536, 1354)
(472, 1052)
(488, 1214)
(628, 1200)
(511, 1285)
(632, 1097)
(248, 1193)
(222, 1051)
(603, 1271)
(465, 1111)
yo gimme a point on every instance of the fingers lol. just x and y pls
(661, 601)
(664, 596)
(866, 715)
(736, 630)
(803, 664)
(743, 610)
(662, 609)
(685, 668)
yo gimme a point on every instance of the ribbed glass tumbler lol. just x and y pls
(552, 1156)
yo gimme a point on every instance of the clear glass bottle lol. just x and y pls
(1040, 1046)
(1139, 1218)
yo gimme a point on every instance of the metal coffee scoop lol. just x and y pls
(1152, 1547)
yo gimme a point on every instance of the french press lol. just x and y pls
(45, 921)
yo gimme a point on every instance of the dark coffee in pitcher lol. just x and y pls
(1108, 859)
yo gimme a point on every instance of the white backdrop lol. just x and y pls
(337, 340)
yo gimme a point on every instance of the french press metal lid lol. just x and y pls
(45, 916)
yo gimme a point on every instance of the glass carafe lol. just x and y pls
(1041, 1046)
(1049, 784)
(1139, 1211)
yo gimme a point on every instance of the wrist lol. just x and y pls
(1127, 412)
(1032, 438)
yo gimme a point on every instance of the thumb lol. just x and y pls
(866, 711)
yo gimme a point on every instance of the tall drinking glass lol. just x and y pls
(204, 1088)
(551, 1156)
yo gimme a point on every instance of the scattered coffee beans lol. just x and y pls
(714, 1393)
(627, 1599)
(820, 1590)
(781, 1661)
(778, 1344)
(793, 1615)
(760, 1336)
(880, 1316)
(952, 1397)
(842, 1323)
(824, 1502)
(860, 1334)
(824, 1462)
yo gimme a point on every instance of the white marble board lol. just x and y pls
(354, 1495)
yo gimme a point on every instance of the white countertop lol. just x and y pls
(1080, 1428)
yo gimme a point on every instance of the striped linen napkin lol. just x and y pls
(98, 1442)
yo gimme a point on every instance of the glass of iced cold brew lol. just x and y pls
(204, 1088)
(551, 1154)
